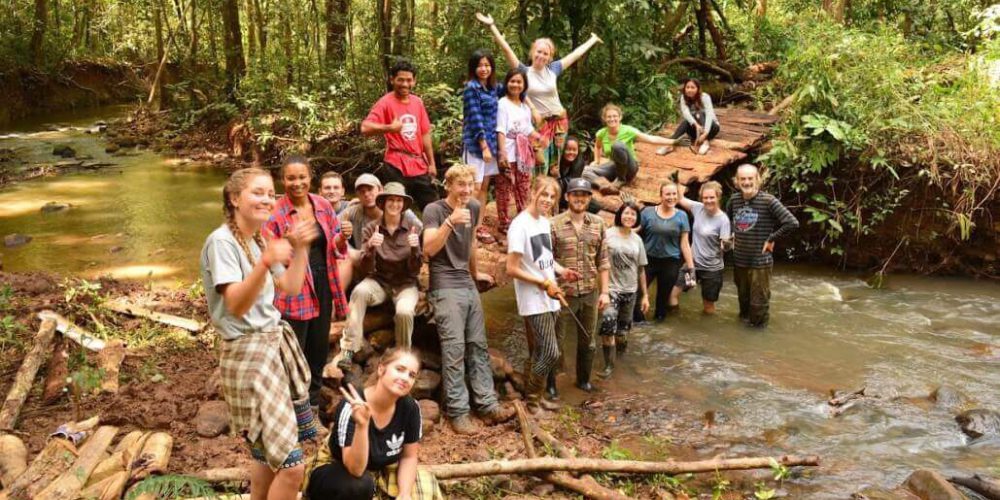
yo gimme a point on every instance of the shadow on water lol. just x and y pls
(764, 391)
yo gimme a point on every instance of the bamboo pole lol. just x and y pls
(25, 377)
(190, 325)
(86, 339)
(71, 481)
(534, 465)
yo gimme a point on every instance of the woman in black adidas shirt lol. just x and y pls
(374, 439)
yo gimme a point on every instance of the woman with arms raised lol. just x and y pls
(543, 95)
(375, 438)
(265, 378)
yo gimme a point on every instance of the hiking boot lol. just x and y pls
(497, 415)
(463, 425)
(536, 404)
(345, 361)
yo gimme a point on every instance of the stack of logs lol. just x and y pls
(80, 462)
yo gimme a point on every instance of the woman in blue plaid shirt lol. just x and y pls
(479, 139)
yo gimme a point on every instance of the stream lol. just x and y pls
(147, 216)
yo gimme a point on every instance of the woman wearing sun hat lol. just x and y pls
(390, 263)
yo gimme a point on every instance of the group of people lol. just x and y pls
(280, 270)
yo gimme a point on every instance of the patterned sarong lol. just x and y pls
(265, 381)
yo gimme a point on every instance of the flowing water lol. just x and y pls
(767, 389)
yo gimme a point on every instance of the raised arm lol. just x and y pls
(578, 52)
(508, 52)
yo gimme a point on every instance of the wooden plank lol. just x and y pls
(73, 332)
(142, 312)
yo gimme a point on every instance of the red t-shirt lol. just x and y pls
(404, 150)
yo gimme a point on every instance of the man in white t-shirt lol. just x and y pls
(532, 265)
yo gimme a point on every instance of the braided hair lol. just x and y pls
(236, 183)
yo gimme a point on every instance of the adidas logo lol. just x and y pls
(395, 444)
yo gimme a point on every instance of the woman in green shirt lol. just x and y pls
(615, 163)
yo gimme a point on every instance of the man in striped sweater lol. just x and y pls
(758, 219)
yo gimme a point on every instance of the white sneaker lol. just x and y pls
(703, 149)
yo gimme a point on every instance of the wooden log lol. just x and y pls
(13, 459)
(56, 457)
(86, 339)
(535, 465)
(154, 458)
(56, 373)
(522, 420)
(781, 106)
(71, 481)
(110, 360)
(109, 488)
(121, 307)
(985, 486)
(226, 475)
(25, 377)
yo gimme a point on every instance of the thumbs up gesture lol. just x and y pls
(376, 238)
(414, 238)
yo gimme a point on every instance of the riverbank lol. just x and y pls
(167, 382)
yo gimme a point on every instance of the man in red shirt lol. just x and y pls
(401, 117)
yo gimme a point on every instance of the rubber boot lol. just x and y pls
(620, 346)
(533, 394)
(609, 360)
(584, 366)
(551, 391)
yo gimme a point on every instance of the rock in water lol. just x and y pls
(979, 422)
(212, 419)
(112, 148)
(53, 206)
(949, 398)
(64, 151)
(15, 240)
(931, 485)
(427, 382)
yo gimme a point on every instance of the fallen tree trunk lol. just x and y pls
(86, 339)
(56, 373)
(13, 459)
(71, 481)
(25, 377)
(190, 325)
(985, 486)
(535, 465)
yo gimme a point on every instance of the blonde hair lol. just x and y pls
(391, 355)
(711, 185)
(459, 171)
(543, 181)
(609, 107)
(547, 41)
(237, 182)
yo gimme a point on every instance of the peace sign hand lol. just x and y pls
(359, 408)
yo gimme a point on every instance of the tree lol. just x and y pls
(232, 41)
(38, 31)
(337, 12)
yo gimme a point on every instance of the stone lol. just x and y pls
(213, 386)
(429, 410)
(426, 426)
(949, 398)
(52, 207)
(212, 419)
(931, 485)
(979, 422)
(15, 240)
(63, 151)
(876, 493)
(116, 249)
(380, 340)
(112, 148)
(427, 382)
(125, 142)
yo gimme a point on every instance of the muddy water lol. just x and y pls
(765, 388)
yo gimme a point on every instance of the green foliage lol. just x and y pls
(10, 328)
(781, 472)
(615, 451)
(172, 486)
(762, 492)
(719, 486)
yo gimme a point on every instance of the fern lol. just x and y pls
(172, 486)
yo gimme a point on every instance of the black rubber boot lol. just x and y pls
(584, 365)
(609, 360)
(620, 346)
(551, 391)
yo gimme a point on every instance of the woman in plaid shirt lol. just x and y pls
(479, 123)
(310, 310)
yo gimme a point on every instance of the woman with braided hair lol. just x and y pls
(265, 377)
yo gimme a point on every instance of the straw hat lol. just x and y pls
(394, 189)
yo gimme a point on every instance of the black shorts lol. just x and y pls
(710, 281)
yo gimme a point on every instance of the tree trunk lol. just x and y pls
(717, 38)
(261, 25)
(233, 45)
(337, 12)
(213, 47)
(700, 16)
(38, 31)
(843, 10)
(384, 15)
(761, 8)
(25, 377)
(399, 31)
(828, 6)
(674, 20)
(286, 41)
(193, 52)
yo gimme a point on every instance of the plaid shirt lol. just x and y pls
(584, 252)
(479, 112)
(305, 305)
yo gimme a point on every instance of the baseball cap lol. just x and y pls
(579, 184)
(367, 180)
